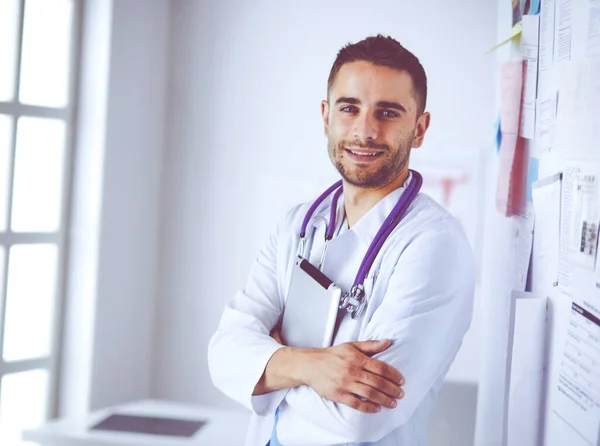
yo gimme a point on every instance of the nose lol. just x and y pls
(365, 127)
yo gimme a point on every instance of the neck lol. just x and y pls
(358, 200)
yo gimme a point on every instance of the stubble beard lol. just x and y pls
(388, 172)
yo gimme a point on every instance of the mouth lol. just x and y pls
(363, 155)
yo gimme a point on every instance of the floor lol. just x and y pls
(453, 421)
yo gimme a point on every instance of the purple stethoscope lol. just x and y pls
(353, 301)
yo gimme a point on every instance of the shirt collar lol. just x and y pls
(367, 227)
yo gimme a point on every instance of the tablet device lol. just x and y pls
(311, 308)
(149, 425)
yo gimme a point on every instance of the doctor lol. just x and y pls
(379, 381)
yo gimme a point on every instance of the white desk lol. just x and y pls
(223, 428)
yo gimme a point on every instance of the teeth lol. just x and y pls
(363, 153)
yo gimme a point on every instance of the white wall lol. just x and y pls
(111, 287)
(245, 142)
(497, 271)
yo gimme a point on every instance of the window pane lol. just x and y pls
(23, 402)
(30, 301)
(5, 145)
(9, 18)
(38, 175)
(46, 50)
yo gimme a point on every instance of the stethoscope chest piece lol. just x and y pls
(354, 301)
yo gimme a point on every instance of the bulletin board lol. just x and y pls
(549, 151)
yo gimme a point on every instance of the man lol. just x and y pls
(379, 381)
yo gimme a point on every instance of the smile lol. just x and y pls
(363, 154)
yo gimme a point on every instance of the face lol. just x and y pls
(371, 123)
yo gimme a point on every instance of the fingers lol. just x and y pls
(384, 370)
(373, 395)
(375, 366)
(372, 347)
(356, 403)
(381, 384)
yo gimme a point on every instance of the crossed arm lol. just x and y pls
(424, 313)
(343, 374)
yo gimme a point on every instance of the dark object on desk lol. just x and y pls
(149, 425)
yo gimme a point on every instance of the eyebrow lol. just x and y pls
(382, 104)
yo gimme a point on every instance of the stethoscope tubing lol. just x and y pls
(389, 224)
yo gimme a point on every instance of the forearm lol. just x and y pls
(285, 370)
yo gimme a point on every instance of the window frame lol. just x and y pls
(59, 238)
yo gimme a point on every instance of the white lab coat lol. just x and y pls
(420, 295)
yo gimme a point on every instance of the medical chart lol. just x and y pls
(577, 392)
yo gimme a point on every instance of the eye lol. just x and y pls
(349, 109)
(388, 114)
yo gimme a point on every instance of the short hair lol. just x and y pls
(386, 52)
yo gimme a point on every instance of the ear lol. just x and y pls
(325, 115)
(420, 129)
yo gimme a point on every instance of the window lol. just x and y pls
(37, 55)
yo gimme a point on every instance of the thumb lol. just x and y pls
(371, 347)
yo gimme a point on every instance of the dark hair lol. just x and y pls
(387, 52)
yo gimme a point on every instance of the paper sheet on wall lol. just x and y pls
(547, 86)
(510, 193)
(511, 86)
(545, 122)
(562, 36)
(547, 35)
(522, 241)
(578, 121)
(546, 236)
(593, 29)
(585, 220)
(597, 271)
(576, 401)
(567, 126)
(528, 370)
(585, 29)
(530, 49)
(565, 268)
(579, 220)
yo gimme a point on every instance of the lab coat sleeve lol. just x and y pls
(425, 311)
(241, 347)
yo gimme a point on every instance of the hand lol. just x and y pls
(348, 375)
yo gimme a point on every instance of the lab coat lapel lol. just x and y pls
(367, 227)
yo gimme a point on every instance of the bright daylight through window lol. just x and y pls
(37, 55)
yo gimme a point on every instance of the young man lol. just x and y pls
(379, 381)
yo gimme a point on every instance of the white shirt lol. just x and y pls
(419, 294)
